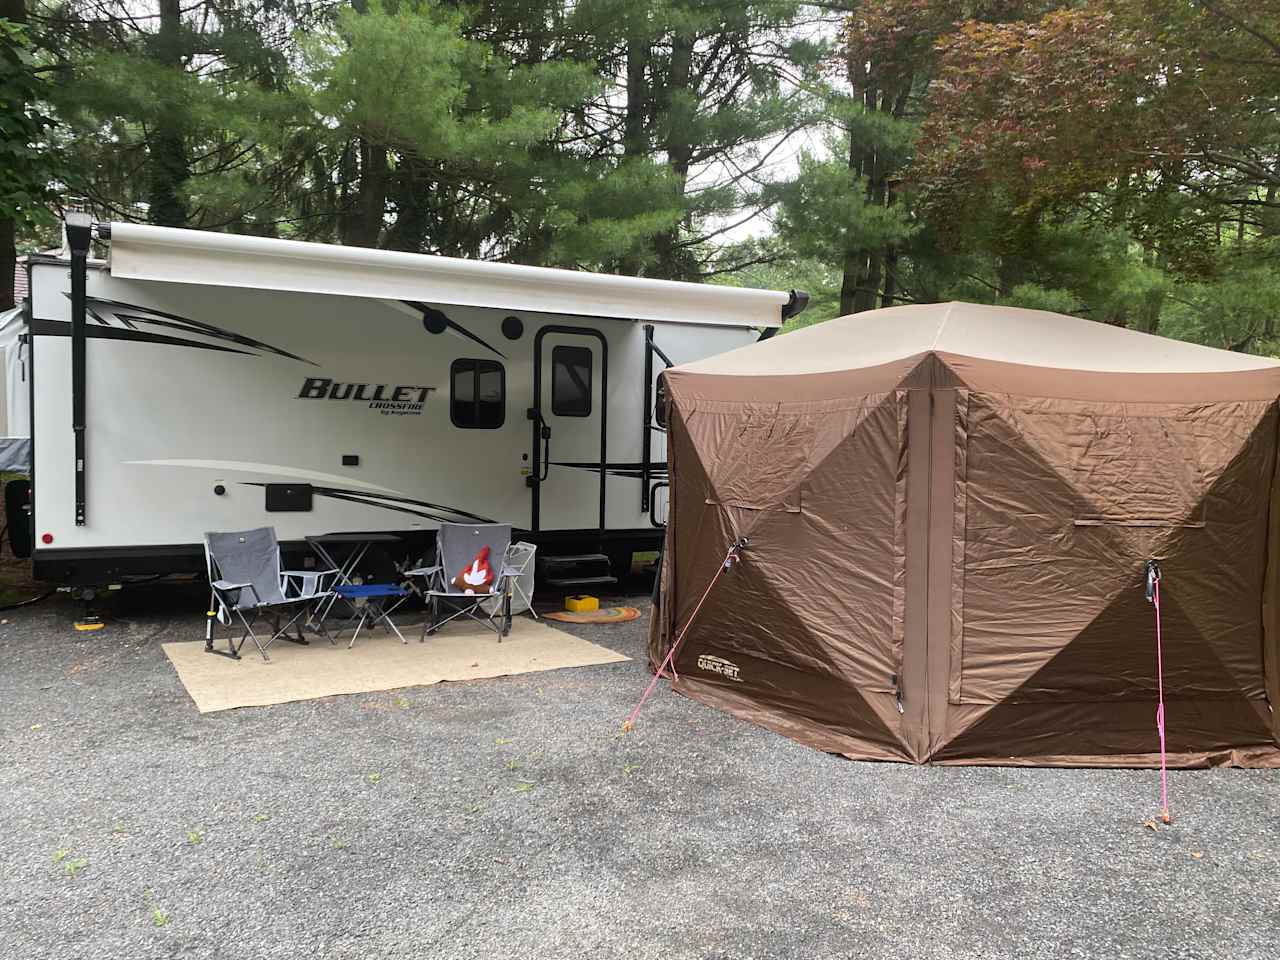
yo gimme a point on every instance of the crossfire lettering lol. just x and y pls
(388, 400)
(725, 668)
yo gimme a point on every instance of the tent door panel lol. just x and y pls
(1063, 503)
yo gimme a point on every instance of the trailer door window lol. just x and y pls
(478, 394)
(571, 381)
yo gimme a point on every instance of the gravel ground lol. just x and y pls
(510, 818)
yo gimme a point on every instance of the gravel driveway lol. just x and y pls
(510, 818)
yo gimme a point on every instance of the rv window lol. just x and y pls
(478, 394)
(571, 381)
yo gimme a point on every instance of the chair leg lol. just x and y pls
(208, 623)
(250, 635)
(363, 614)
(433, 618)
(528, 600)
(506, 616)
(383, 614)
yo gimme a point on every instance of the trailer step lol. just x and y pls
(573, 559)
(582, 582)
(577, 570)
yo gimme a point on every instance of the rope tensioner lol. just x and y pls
(1153, 597)
(730, 558)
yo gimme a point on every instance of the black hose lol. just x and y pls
(28, 601)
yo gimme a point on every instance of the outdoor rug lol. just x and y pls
(603, 615)
(377, 662)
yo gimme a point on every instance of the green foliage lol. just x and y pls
(1238, 311)
(827, 212)
(1113, 159)
(772, 264)
(28, 168)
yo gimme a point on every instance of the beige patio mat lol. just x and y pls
(378, 662)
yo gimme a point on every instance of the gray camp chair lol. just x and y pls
(520, 558)
(456, 546)
(248, 584)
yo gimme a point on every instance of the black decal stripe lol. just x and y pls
(457, 327)
(149, 314)
(433, 511)
(439, 518)
(245, 341)
(634, 471)
(406, 500)
(60, 328)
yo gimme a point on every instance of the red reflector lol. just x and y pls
(46, 538)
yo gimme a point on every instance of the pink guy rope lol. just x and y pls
(729, 557)
(1153, 591)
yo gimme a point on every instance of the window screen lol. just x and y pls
(571, 381)
(478, 394)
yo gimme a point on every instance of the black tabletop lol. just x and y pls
(354, 538)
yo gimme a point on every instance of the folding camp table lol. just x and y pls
(359, 545)
(379, 600)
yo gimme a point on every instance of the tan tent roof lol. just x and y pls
(1006, 334)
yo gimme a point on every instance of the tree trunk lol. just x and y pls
(635, 140)
(169, 168)
(362, 221)
(16, 11)
(854, 261)
(672, 264)
(8, 261)
(860, 284)
(864, 297)
(412, 203)
(890, 289)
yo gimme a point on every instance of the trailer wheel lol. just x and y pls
(620, 563)
(17, 497)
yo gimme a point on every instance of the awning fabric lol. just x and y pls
(174, 255)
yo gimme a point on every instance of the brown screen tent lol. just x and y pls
(950, 508)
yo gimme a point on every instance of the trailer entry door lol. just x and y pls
(568, 423)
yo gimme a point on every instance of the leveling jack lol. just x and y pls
(89, 618)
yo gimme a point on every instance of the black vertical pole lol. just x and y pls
(646, 442)
(79, 229)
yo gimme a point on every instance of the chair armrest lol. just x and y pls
(307, 583)
(421, 571)
(511, 571)
(226, 586)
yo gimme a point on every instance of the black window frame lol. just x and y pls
(576, 410)
(477, 366)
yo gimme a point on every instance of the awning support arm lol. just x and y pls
(79, 235)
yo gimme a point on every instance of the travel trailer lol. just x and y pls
(194, 381)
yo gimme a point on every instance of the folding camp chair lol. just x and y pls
(519, 560)
(457, 544)
(247, 583)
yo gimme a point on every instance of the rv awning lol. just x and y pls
(173, 255)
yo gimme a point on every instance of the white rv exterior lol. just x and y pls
(235, 382)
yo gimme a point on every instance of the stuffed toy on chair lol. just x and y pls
(477, 577)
